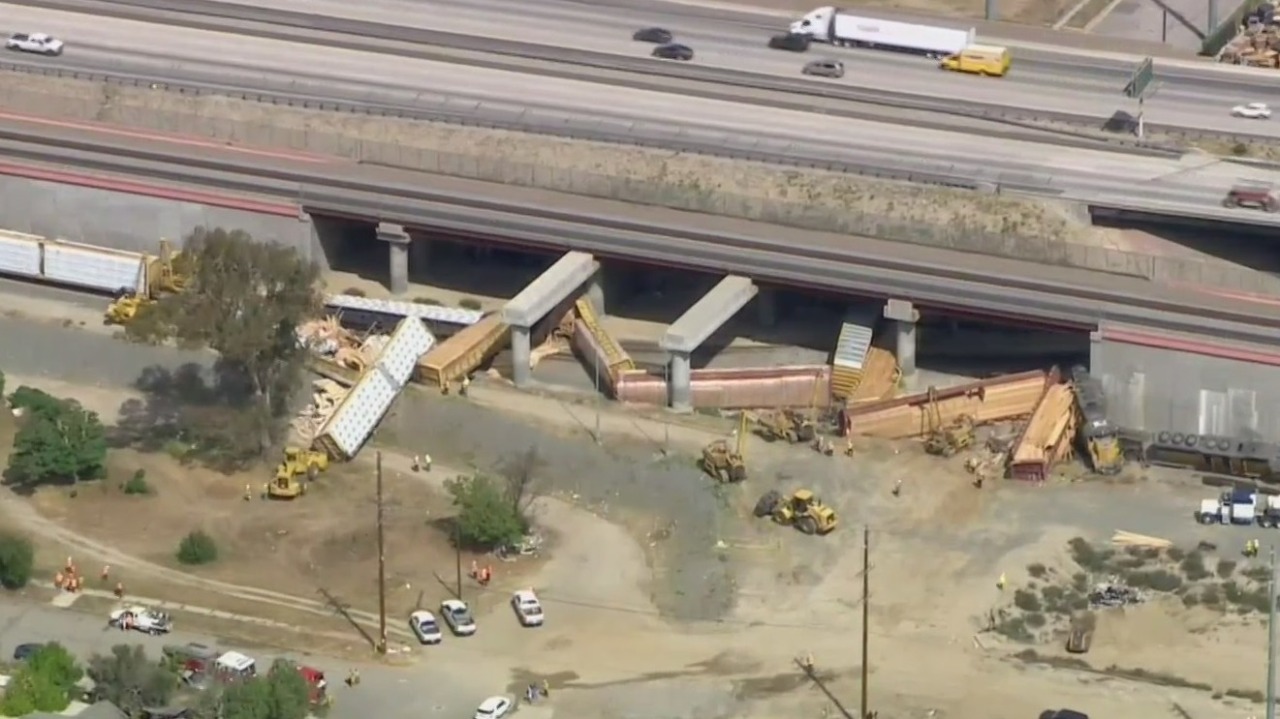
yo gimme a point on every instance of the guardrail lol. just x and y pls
(347, 33)
(992, 284)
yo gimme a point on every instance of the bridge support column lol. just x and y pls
(904, 316)
(767, 307)
(597, 292)
(398, 247)
(521, 356)
(680, 383)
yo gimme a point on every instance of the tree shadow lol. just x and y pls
(195, 413)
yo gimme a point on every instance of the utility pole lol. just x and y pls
(457, 556)
(1271, 639)
(596, 364)
(382, 566)
(866, 615)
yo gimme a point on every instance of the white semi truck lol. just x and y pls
(1241, 507)
(835, 26)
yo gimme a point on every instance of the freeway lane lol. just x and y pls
(932, 277)
(1069, 81)
(269, 64)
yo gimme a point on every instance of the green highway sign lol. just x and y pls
(1140, 79)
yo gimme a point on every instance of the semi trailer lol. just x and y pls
(835, 26)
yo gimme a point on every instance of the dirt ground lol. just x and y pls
(712, 604)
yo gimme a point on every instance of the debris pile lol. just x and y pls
(328, 339)
(1258, 44)
(1114, 594)
(326, 395)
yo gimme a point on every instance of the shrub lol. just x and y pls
(1014, 628)
(1088, 557)
(137, 484)
(1035, 620)
(17, 560)
(1, 384)
(1225, 568)
(353, 292)
(1037, 570)
(197, 548)
(1210, 596)
(470, 303)
(1026, 600)
(427, 301)
(1158, 580)
(1193, 566)
(1174, 554)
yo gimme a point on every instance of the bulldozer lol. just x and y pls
(298, 464)
(166, 274)
(787, 424)
(725, 461)
(802, 510)
(946, 440)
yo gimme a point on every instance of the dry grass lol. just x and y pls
(683, 178)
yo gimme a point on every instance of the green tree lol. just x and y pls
(244, 300)
(58, 441)
(35, 401)
(487, 514)
(290, 693)
(129, 679)
(17, 560)
(44, 683)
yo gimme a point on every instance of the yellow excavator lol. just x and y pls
(725, 461)
(298, 468)
(166, 274)
(946, 440)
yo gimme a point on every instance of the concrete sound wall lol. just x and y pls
(1186, 389)
(118, 215)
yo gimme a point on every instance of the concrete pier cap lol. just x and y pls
(708, 314)
(694, 327)
(536, 300)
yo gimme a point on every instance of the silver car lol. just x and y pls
(824, 68)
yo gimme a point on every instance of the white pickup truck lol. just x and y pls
(141, 619)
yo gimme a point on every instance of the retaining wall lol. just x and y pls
(135, 222)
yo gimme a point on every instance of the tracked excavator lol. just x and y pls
(945, 440)
(788, 425)
(724, 461)
(167, 274)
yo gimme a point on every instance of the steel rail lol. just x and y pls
(354, 34)
(998, 286)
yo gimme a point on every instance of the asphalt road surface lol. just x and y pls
(424, 689)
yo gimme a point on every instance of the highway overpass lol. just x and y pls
(738, 100)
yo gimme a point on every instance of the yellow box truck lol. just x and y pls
(980, 60)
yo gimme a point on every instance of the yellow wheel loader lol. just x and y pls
(298, 465)
(802, 510)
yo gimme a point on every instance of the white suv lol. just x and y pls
(36, 42)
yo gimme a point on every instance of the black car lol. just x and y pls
(791, 42)
(655, 35)
(673, 51)
(23, 652)
(1063, 714)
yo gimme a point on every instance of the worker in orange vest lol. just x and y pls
(119, 590)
